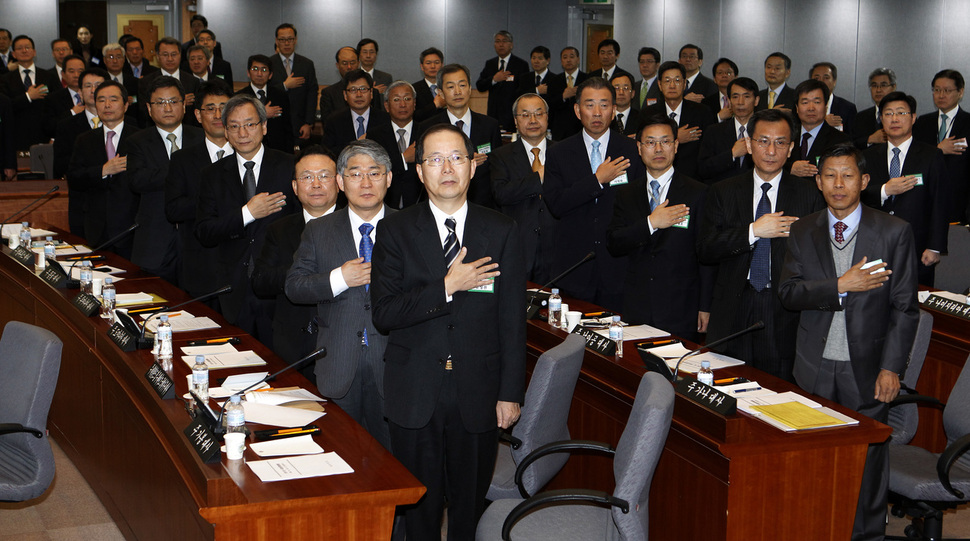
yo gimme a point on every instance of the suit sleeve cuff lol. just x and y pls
(247, 216)
(337, 283)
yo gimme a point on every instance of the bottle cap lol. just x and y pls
(235, 399)
(25, 224)
(164, 318)
(616, 319)
(705, 364)
(555, 291)
(107, 280)
(50, 238)
(200, 359)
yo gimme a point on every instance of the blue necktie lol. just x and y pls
(761, 260)
(654, 195)
(595, 158)
(451, 246)
(366, 250)
(360, 127)
(894, 169)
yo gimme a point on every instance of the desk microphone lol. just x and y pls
(146, 343)
(75, 284)
(530, 310)
(755, 327)
(217, 429)
(10, 218)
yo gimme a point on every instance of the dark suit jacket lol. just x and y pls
(880, 324)
(632, 121)
(294, 331)
(222, 70)
(8, 150)
(190, 84)
(28, 116)
(704, 86)
(155, 247)
(132, 83)
(332, 100)
(110, 206)
(957, 165)
(303, 99)
(279, 130)
(616, 72)
(527, 83)
(653, 93)
(58, 107)
(924, 207)
(785, 100)
(827, 137)
(847, 110)
(198, 271)
(865, 126)
(328, 243)
(219, 220)
(665, 285)
(691, 114)
(67, 132)
(518, 192)
(485, 131)
(340, 129)
(723, 241)
(406, 188)
(502, 95)
(716, 160)
(562, 115)
(424, 107)
(484, 333)
(713, 102)
(217, 51)
(584, 209)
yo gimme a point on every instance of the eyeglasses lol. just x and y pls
(115, 56)
(944, 91)
(405, 99)
(170, 55)
(163, 103)
(213, 108)
(900, 114)
(108, 99)
(526, 115)
(358, 176)
(237, 127)
(622, 88)
(881, 85)
(309, 178)
(668, 80)
(689, 56)
(454, 159)
(665, 143)
(286, 40)
(779, 144)
(358, 89)
(254, 69)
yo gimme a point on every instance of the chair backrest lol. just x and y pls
(546, 409)
(30, 359)
(638, 452)
(42, 159)
(951, 274)
(905, 418)
(956, 415)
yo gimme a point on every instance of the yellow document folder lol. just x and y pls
(798, 416)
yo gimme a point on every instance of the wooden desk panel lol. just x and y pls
(16, 195)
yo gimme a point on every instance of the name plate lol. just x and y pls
(707, 396)
(202, 440)
(596, 342)
(54, 277)
(87, 303)
(163, 385)
(947, 306)
(122, 338)
(24, 256)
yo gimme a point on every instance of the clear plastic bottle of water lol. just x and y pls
(555, 307)
(616, 335)
(108, 299)
(25, 235)
(200, 378)
(49, 249)
(86, 277)
(163, 335)
(235, 415)
(705, 375)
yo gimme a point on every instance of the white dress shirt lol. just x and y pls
(337, 283)
(248, 217)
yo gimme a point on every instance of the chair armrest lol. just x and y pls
(559, 496)
(507, 437)
(12, 428)
(558, 447)
(946, 460)
(916, 399)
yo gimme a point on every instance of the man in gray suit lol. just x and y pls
(332, 269)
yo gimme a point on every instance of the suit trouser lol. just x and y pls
(758, 348)
(836, 382)
(454, 464)
(364, 402)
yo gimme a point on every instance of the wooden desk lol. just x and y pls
(719, 478)
(17, 194)
(129, 445)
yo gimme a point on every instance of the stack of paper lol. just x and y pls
(301, 467)
(670, 354)
(788, 411)
(236, 359)
(297, 445)
(182, 321)
(12, 230)
(636, 332)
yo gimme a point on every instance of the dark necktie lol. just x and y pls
(761, 260)
(27, 82)
(942, 135)
(451, 242)
(461, 125)
(501, 65)
(839, 229)
(673, 116)
(619, 120)
(249, 180)
(361, 130)
(805, 137)
(894, 169)
(740, 160)
(219, 154)
(262, 96)
(538, 80)
(402, 143)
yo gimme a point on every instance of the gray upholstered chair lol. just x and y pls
(621, 515)
(30, 358)
(904, 417)
(543, 421)
(924, 484)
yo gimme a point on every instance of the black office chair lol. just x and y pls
(569, 514)
(904, 418)
(30, 359)
(923, 484)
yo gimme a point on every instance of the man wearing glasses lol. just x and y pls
(868, 123)
(297, 75)
(446, 287)
(744, 227)
(351, 122)
(242, 195)
(27, 86)
(169, 53)
(149, 151)
(398, 135)
(279, 128)
(331, 272)
(627, 114)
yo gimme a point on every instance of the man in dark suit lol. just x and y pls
(857, 324)
(908, 180)
(693, 118)
(331, 272)
(698, 86)
(743, 231)
(627, 115)
(8, 151)
(60, 50)
(868, 127)
(517, 172)
(655, 223)
(295, 74)
(584, 172)
(608, 52)
(351, 122)
(198, 23)
(114, 63)
(948, 128)
(814, 134)
(454, 83)
(98, 168)
(218, 67)
(294, 326)
(778, 95)
(135, 62)
(279, 127)
(169, 56)
(562, 96)
(499, 78)
(428, 99)
(725, 71)
(397, 135)
(455, 360)
(367, 50)
(67, 132)
(724, 147)
(27, 87)
(198, 272)
(537, 80)
(332, 97)
(198, 58)
(6, 49)
(155, 247)
(648, 88)
(65, 102)
(840, 112)
(244, 194)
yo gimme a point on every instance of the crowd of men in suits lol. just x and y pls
(686, 188)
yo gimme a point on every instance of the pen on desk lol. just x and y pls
(597, 314)
(728, 381)
(658, 343)
(211, 341)
(746, 390)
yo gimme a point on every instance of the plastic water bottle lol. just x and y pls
(235, 415)
(163, 335)
(705, 375)
(616, 335)
(49, 249)
(555, 307)
(25, 235)
(108, 299)
(200, 378)
(86, 277)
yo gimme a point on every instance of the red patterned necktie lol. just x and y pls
(839, 229)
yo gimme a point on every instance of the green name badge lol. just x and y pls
(919, 179)
(485, 288)
(683, 223)
(620, 180)
(484, 149)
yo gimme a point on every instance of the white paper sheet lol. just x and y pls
(300, 467)
(209, 350)
(228, 360)
(12, 230)
(131, 299)
(297, 445)
(636, 332)
(279, 415)
(692, 364)
(277, 398)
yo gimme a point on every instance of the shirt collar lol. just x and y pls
(604, 140)
(773, 180)
(258, 157)
(213, 150)
(664, 179)
(814, 132)
(356, 221)
(164, 134)
(176, 74)
(467, 117)
(680, 107)
(903, 147)
(851, 221)
(256, 89)
(307, 216)
(951, 113)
